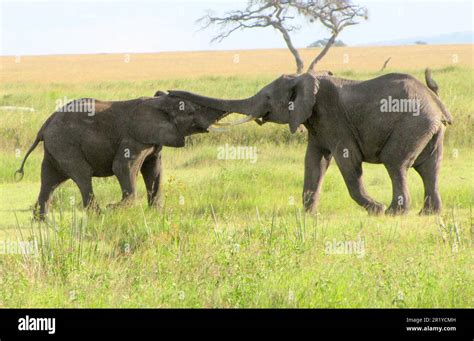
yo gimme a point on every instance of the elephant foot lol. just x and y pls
(310, 202)
(375, 208)
(38, 214)
(430, 211)
(397, 210)
(157, 204)
(432, 205)
(120, 204)
(93, 208)
(40, 217)
(311, 209)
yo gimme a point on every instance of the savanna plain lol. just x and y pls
(232, 233)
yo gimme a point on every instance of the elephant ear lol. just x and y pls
(305, 97)
(159, 93)
(153, 122)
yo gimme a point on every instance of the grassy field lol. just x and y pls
(232, 233)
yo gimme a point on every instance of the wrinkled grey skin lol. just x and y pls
(345, 122)
(116, 138)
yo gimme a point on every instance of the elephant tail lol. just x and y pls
(430, 82)
(20, 171)
(39, 138)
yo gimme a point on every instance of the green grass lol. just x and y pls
(237, 240)
(18, 129)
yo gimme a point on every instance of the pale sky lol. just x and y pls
(70, 27)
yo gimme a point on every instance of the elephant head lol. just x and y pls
(167, 120)
(288, 99)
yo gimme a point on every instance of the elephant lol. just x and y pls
(91, 138)
(393, 119)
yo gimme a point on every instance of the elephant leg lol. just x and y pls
(82, 176)
(88, 199)
(429, 172)
(126, 173)
(152, 175)
(402, 150)
(400, 197)
(351, 171)
(50, 179)
(314, 170)
(79, 170)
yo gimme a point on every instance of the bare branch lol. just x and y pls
(335, 15)
(280, 15)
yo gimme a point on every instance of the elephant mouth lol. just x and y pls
(223, 126)
(264, 119)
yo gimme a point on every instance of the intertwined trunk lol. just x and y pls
(248, 106)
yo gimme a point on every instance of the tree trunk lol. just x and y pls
(323, 52)
(299, 62)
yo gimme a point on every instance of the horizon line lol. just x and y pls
(224, 50)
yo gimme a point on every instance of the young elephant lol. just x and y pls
(90, 138)
(392, 119)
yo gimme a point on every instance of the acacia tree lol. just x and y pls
(281, 15)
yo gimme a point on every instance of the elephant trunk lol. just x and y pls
(247, 106)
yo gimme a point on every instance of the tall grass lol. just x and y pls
(239, 240)
(137, 259)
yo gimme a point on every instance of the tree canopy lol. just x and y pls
(283, 15)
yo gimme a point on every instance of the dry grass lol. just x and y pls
(168, 65)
